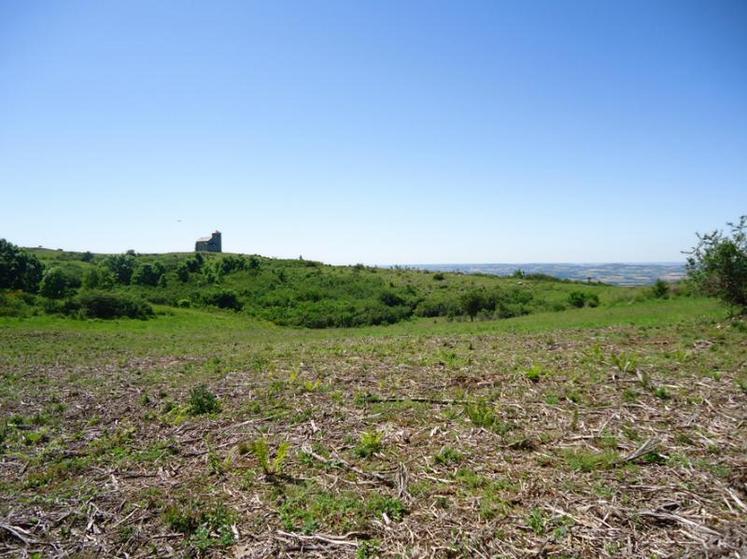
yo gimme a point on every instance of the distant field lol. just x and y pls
(615, 274)
(616, 431)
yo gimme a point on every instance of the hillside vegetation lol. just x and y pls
(292, 292)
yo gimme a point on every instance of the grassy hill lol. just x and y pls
(310, 294)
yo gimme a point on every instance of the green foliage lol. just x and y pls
(393, 508)
(55, 283)
(261, 450)
(207, 525)
(369, 444)
(447, 456)
(473, 302)
(535, 373)
(202, 401)
(482, 414)
(18, 268)
(581, 299)
(586, 461)
(308, 294)
(537, 521)
(660, 289)
(99, 277)
(110, 305)
(148, 274)
(223, 299)
(718, 264)
(122, 266)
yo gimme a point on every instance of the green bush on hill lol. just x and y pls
(110, 305)
(18, 268)
(718, 264)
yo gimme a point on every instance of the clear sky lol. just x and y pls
(377, 132)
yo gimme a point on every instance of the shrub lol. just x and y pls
(55, 284)
(580, 299)
(473, 302)
(223, 299)
(18, 268)
(98, 278)
(148, 274)
(718, 264)
(202, 401)
(110, 305)
(122, 266)
(660, 289)
(577, 299)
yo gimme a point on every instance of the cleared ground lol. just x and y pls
(615, 432)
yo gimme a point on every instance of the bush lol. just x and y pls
(148, 274)
(660, 289)
(110, 305)
(718, 264)
(54, 284)
(122, 266)
(579, 299)
(98, 278)
(223, 299)
(473, 302)
(18, 268)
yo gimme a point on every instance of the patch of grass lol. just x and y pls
(448, 455)
(370, 443)
(309, 509)
(208, 525)
(537, 521)
(535, 373)
(482, 414)
(586, 461)
(381, 504)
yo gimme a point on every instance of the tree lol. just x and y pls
(472, 303)
(99, 277)
(18, 268)
(148, 274)
(54, 284)
(718, 264)
(122, 266)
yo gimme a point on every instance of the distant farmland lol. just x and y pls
(614, 274)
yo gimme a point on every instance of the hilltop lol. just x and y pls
(304, 293)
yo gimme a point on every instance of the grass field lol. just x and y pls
(616, 431)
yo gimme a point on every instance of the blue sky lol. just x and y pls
(375, 132)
